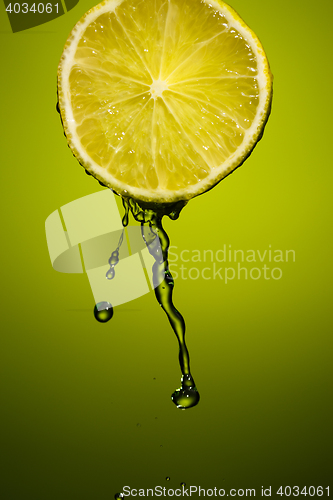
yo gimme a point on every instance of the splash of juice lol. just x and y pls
(158, 243)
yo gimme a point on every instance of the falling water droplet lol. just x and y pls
(114, 259)
(111, 273)
(103, 311)
(185, 398)
(125, 218)
(167, 478)
(158, 243)
(187, 395)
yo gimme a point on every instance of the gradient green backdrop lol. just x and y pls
(86, 407)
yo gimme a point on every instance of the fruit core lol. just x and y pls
(157, 88)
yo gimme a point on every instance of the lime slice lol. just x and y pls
(161, 99)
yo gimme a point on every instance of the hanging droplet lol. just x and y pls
(103, 311)
(110, 273)
(182, 484)
(114, 259)
(187, 395)
(185, 398)
(125, 218)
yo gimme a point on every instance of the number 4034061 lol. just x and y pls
(36, 8)
(295, 491)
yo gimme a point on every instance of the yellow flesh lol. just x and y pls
(162, 93)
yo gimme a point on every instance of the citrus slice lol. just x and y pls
(161, 99)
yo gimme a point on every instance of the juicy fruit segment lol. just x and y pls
(161, 99)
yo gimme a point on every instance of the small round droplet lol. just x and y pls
(125, 218)
(167, 478)
(114, 259)
(185, 398)
(103, 311)
(182, 484)
(187, 395)
(119, 496)
(110, 273)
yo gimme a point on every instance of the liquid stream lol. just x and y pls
(157, 242)
(114, 259)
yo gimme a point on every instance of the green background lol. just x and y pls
(86, 407)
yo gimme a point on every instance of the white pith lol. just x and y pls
(157, 88)
(156, 91)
